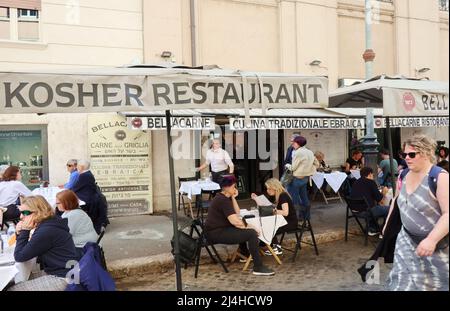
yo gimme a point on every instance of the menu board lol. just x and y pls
(121, 163)
(332, 144)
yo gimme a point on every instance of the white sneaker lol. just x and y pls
(276, 249)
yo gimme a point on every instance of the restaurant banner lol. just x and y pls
(410, 103)
(296, 123)
(120, 161)
(178, 123)
(412, 122)
(67, 93)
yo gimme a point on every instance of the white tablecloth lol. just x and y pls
(49, 193)
(195, 187)
(9, 269)
(356, 173)
(270, 225)
(334, 179)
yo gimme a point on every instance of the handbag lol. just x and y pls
(188, 247)
(287, 177)
(265, 210)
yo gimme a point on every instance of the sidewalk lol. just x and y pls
(141, 244)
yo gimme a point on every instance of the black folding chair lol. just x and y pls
(358, 208)
(302, 227)
(197, 227)
(203, 204)
(182, 195)
(102, 253)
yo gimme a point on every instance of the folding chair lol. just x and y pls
(304, 226)
(202, 204)
(102, 253)
(358, 208)
(182, 195)
(197, 226)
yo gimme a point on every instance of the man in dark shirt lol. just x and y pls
(354, 162)
(365, 187)
(223, 225)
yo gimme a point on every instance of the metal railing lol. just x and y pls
(443, 5)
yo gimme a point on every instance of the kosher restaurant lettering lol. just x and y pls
(21, 93)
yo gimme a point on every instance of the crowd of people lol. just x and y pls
(421, 255)
(57, 235)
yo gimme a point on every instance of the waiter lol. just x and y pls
(220, 161)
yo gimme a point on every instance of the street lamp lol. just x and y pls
(369, 142)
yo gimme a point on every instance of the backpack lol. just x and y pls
(432, 177)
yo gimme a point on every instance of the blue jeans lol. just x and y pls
(298, 189)
(377, 211)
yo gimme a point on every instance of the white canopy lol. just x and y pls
(147, 88)
(397, 96)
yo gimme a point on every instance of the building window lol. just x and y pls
(20, 20)
(4, 23)
(27, 13)
(443, 5)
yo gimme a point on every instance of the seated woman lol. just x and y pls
(284, 207)
(323, 167)
(80, 225)
(223, 225)
(50, 242)
(11, 188)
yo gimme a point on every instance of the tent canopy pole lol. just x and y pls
(173, 201)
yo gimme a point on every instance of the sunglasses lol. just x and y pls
(26, 213)
(411, 155)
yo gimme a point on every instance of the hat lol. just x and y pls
(300, 140)
(227, 181)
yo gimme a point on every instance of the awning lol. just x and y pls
(397, 96)
(151, 88)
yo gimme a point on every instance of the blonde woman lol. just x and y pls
(284, 207)
(421, 250)
(51, 243)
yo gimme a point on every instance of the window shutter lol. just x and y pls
(22, 4)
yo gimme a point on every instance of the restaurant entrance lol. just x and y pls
(254, 154)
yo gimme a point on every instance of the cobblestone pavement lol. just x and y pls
(334, 269)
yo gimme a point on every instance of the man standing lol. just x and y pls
(384, 169)
(304, 165)
(72, 169)
(290, 152)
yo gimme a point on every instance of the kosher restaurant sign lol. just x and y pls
(296, 123)
(65, 93)
(410, 103)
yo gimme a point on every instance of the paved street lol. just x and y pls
(334, 269)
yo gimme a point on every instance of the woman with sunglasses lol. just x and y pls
(11, 189)
(50, 242)
(80, 225)
(421, 258)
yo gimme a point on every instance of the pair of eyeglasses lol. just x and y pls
(411, 155)
(69, 165)
(26, 213)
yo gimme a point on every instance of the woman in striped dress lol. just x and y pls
(419, 265)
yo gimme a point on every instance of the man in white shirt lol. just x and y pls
(219, 160)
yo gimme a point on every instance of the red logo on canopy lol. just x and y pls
(378, 122)
(137, 122)
(408, 101)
